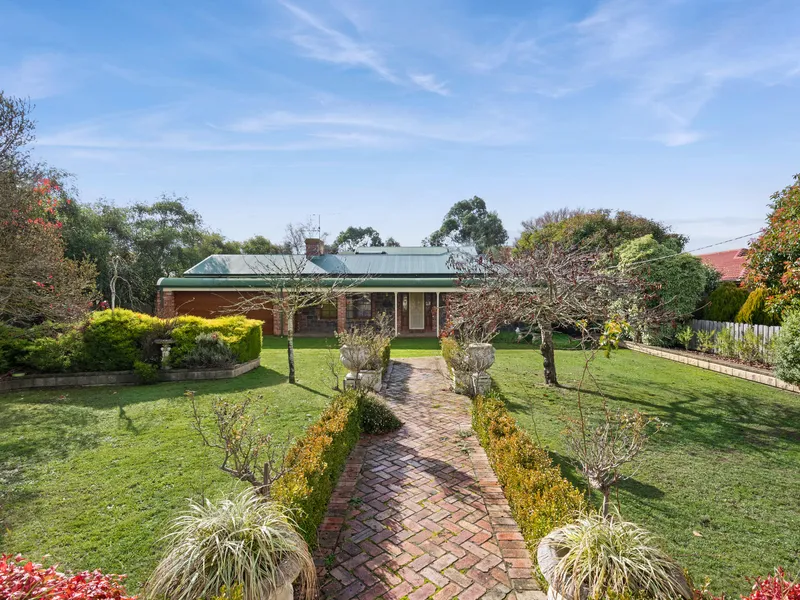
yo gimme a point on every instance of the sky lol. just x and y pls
(384, 113)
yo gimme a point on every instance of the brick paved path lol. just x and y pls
(418, 513)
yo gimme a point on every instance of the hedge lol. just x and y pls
(117, 341)
(316, 460)
(541, 499)
(241, 334)
(724, 303)
(386, 356)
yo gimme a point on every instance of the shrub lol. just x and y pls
(386, 356)
(241, 334)
(724, 303)
(705, 341)
(540, 498)
(316, 460)
(610, 556)
(376, 416)
(147, 372)
(453, 354)
(22, 579)
(749, 347)
(210, 350)
(13, 343)
(787, 349)
(47, 355)
(112, 342)
(774, 587)
(240, 544)
(754, 311)
(685, 337)
(725, 344)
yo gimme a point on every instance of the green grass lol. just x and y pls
(726, 467)
(91, 476)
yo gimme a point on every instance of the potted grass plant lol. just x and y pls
(243, 546)
(604, 556)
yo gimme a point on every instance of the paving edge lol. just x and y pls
(709, 365)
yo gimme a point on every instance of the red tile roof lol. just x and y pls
(730, 263)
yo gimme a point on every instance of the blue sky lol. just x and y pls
(385, 113)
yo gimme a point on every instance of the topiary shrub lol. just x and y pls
(241, 334)
(787, 349)
(376, 416)
(210, 351)
(724, 303)
(754, 311)
(315, 462)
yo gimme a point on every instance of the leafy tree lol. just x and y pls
(258, 244)
(37, 283)
(773, 260)
(392, 243)
(678, 280)
(468, 222)
(595, 230)
(357, 237)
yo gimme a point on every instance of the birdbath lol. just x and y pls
(165, 345)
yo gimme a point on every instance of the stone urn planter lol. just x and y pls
(480, 357)
(353, 357)
(370, 380)
(288, 571)
(548, 555)
(461, 381)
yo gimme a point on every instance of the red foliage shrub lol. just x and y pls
(21, 579)
(772, 587)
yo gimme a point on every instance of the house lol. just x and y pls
(411, 285)
(729, 263)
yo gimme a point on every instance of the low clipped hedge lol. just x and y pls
(540, 498)
(241, 334)
(316, 460)
(117, 341)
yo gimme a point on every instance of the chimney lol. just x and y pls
(314, 247)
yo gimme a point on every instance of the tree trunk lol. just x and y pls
(290, 338)
(548, 354)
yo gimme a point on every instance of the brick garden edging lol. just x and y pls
(713, 365)
(27, 382)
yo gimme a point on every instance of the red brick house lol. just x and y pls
(729, 263)
(410, 285)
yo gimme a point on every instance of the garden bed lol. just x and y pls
(714, 363)
(58, 380)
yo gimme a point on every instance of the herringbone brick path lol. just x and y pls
(418, 513)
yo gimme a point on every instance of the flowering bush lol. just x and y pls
(21, 579)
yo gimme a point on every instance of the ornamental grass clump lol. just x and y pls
(606, 556)
(241, 542)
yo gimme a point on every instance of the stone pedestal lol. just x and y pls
(481, 383)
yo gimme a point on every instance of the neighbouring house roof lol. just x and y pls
(729, 263)
(382, 266)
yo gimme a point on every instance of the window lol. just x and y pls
(329, 310)
(359, 307)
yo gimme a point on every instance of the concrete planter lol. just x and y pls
(371, 380)
(548, 555)
(461, 381)
(353, 357)
(480, 357)
(289, 571)
(481, 383)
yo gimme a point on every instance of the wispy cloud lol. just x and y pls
(428, 82)
(322, 42)
(38, 76)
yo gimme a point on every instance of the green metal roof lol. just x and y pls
(390, 262)
(265, 283)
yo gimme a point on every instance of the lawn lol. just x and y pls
(91, 476)
(727, 466)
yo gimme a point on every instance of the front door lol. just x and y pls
(416, 310)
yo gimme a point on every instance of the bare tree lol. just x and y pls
(548, 286)
(295, 282)
(296, 234)
(243, 444)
